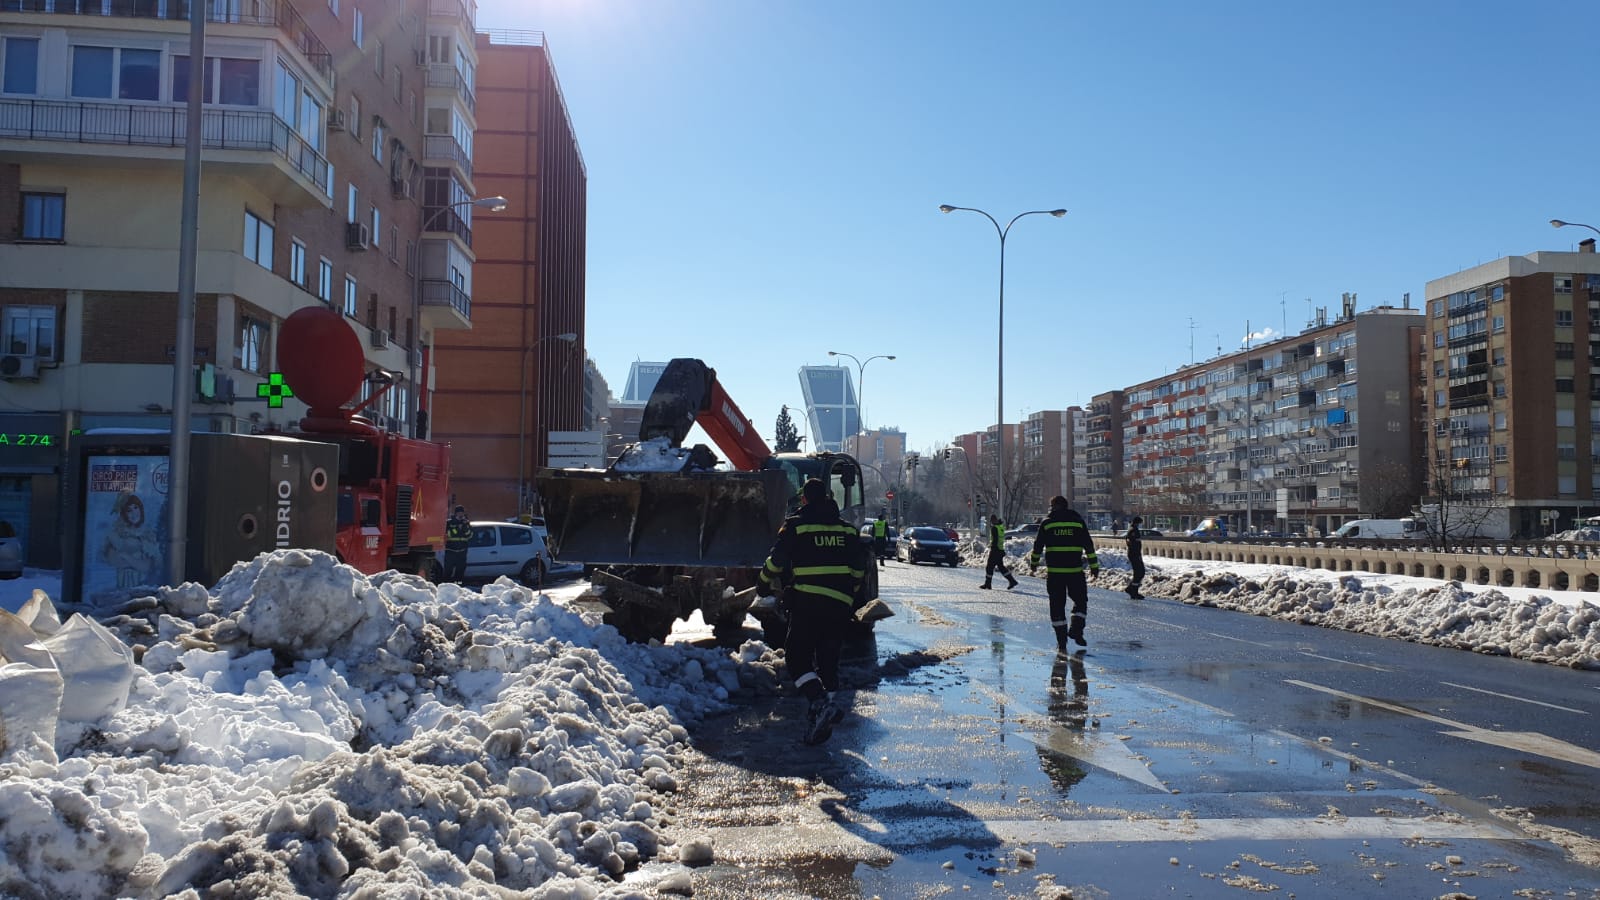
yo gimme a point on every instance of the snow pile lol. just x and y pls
(302, 729)
(1584, 533)
(1446, 614)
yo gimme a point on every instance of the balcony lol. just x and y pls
(166, 127)
(445, 306)
(277, 13)
(454, 10)
(443, 148)
(446, 76)
(446, 219)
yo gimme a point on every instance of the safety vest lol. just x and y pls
(457, 535)
(997, 535)
(880, 528)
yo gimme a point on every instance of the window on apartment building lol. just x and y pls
(1438, 338)
(355, 117)
(1564, 385)
(399, 82)
(30, 331)
(358, 27)
(1500, 484)
(333, 7)
(394, 242)
(372, 310)
(1563, 284)
(1566, 451)
(1565, 418)
(377, 224)
(1499, 452)
(1500, 421)
(1438, 399)
(351, 296)
(248, 354)
(1438, 368)
(20, 74)
(44, 216)
(1499, 357)
(353, 202)
(325, 281)
(126, 73)
(297, 262)
(1563, 318)
(393, 316)
(1499, 388)
(1438, 309)
(377, 59)
(1563, 350)
(1566, 485)
(378, 135)
(1499, 324)
(227, 80)
(258, 240)
(1498, 292)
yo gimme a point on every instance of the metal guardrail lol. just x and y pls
(160, 126)
(444, 146)
(446, 76)
(1529, 549)
(443, 293)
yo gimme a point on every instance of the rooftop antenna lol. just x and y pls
(1283, 306)
(1311, 317)
(1191, 340)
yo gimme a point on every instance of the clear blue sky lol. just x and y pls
(764, 179)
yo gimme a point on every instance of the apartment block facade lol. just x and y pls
(1512, 404)
(518, 375)
(1296, 435)
(1048, 460)
(310, 193)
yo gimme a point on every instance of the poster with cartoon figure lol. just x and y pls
(123, 506)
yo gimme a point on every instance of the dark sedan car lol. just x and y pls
(925, 543)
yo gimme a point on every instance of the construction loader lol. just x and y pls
(667, 530)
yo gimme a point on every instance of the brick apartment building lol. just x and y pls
(311, 182)
(1512, 368)
(518, 375)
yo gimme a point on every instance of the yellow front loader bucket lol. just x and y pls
(603, 517)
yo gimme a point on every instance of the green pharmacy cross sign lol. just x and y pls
(274, 390)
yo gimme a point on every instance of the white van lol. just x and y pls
(1403, 529)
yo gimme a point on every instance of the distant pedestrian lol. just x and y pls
(997, 555)
(819, 563)
(1065, 546)
(1135, 557)
(457, 537)
(880, 536)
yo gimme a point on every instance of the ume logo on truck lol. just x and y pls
(285, 512)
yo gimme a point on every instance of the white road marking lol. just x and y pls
(866, 839)
(1530, 742)
(1229, 637)
(1468, 687)
(1343, 661)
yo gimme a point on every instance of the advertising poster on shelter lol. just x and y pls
(124, 523)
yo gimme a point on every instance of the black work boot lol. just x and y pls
(1012, 580)
(986, 585)
(1061, 638)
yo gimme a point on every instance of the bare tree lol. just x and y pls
(1455, 507)
(1389, 489)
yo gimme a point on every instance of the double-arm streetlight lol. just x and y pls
(492, 204)
(571, 337)
(1557, 223)
(1000, 385)
(861, 389)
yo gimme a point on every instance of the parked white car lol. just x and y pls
(505, 548)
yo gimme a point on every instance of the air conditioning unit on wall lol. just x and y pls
(357, 236)
(19, 368)
(380, 338)
(335, 120)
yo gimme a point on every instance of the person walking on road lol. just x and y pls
(1135, 557)
(880, 537)
(819, 562)
(997, 555)
(1065, 546)
(457, 535)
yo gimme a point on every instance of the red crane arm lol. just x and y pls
(733, 433)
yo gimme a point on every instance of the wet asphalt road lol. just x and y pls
(1189, 753)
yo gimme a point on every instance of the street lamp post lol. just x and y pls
(1000, 384)
(1557, 223)
(414, 359)
(861, 390)
(571, 337)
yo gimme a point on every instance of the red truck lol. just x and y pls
(394, 491)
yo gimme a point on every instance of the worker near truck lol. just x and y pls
(457, 536)
(1135, 557)
(880, 537)
(818, 563)
(997, 555)
(1064, 545)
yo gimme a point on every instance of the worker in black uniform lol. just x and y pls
(819, 562)
(457, 535)
(1135, 542)
(997, 555)
(1065, 546)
